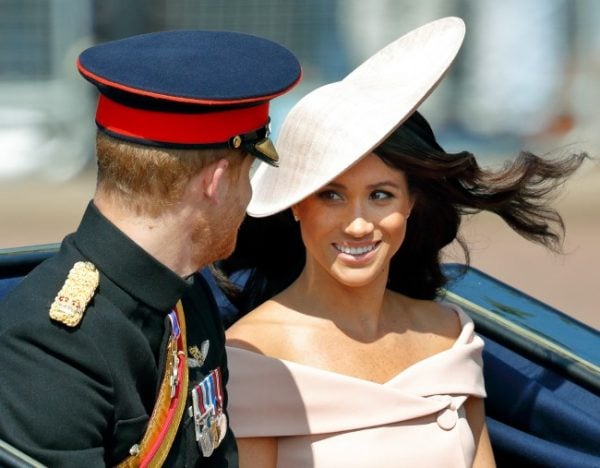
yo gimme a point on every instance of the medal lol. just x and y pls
(202, 415)
(221, 418)
(211, 402)
(196, 415)
(221, 425)
(172, 352)
(206, 442)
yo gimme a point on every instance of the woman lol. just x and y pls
(352, 361)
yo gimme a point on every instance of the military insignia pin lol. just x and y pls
(71, 301)
(197, 356)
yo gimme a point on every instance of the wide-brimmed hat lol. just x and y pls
(334, 126)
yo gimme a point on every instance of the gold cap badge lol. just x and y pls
(71, 301)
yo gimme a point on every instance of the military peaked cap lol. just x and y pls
(190, 88)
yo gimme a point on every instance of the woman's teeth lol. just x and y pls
(355, 250)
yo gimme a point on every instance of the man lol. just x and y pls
(113, 350)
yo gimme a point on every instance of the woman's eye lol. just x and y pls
(329, 195)
(381, 195)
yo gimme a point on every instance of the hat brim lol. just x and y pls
(336, 125)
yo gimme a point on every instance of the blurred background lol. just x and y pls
(527, 78)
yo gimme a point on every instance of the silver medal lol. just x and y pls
(206, 441)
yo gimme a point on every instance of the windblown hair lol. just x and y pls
(148, 179)
(446, 187)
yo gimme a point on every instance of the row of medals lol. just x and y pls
(210, 421)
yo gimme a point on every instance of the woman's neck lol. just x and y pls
(357, 310)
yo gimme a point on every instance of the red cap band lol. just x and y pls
(180, 128)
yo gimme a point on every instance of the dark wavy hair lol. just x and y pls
(446, 186)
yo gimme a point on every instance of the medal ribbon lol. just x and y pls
(218, 387)
(175, 330)
(207, 393)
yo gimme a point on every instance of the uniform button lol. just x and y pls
(447, 418)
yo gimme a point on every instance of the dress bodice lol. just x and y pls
(323, 418)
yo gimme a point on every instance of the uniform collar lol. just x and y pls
(126, 263)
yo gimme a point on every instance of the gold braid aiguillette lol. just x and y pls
(71, 301)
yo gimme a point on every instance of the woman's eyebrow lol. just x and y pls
(385, 183)
(333, 185)
(380, 184)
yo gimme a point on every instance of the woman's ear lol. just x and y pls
(295, 212)
(413, 200)
(213, 178)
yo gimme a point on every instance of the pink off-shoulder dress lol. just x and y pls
(325, 419)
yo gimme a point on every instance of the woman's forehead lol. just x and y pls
(367, 168)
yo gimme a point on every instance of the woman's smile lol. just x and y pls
(357, 252)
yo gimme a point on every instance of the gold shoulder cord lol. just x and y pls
(152, 450)
(77, 291)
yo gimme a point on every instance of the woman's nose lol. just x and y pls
(358, 226)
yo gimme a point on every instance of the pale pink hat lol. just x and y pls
(334, 126)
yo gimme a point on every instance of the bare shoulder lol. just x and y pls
(436, 318)
(448, 318)
(261, 330)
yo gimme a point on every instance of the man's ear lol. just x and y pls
(213, 178)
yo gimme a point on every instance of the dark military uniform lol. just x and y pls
(81, 396)
(78, 390)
